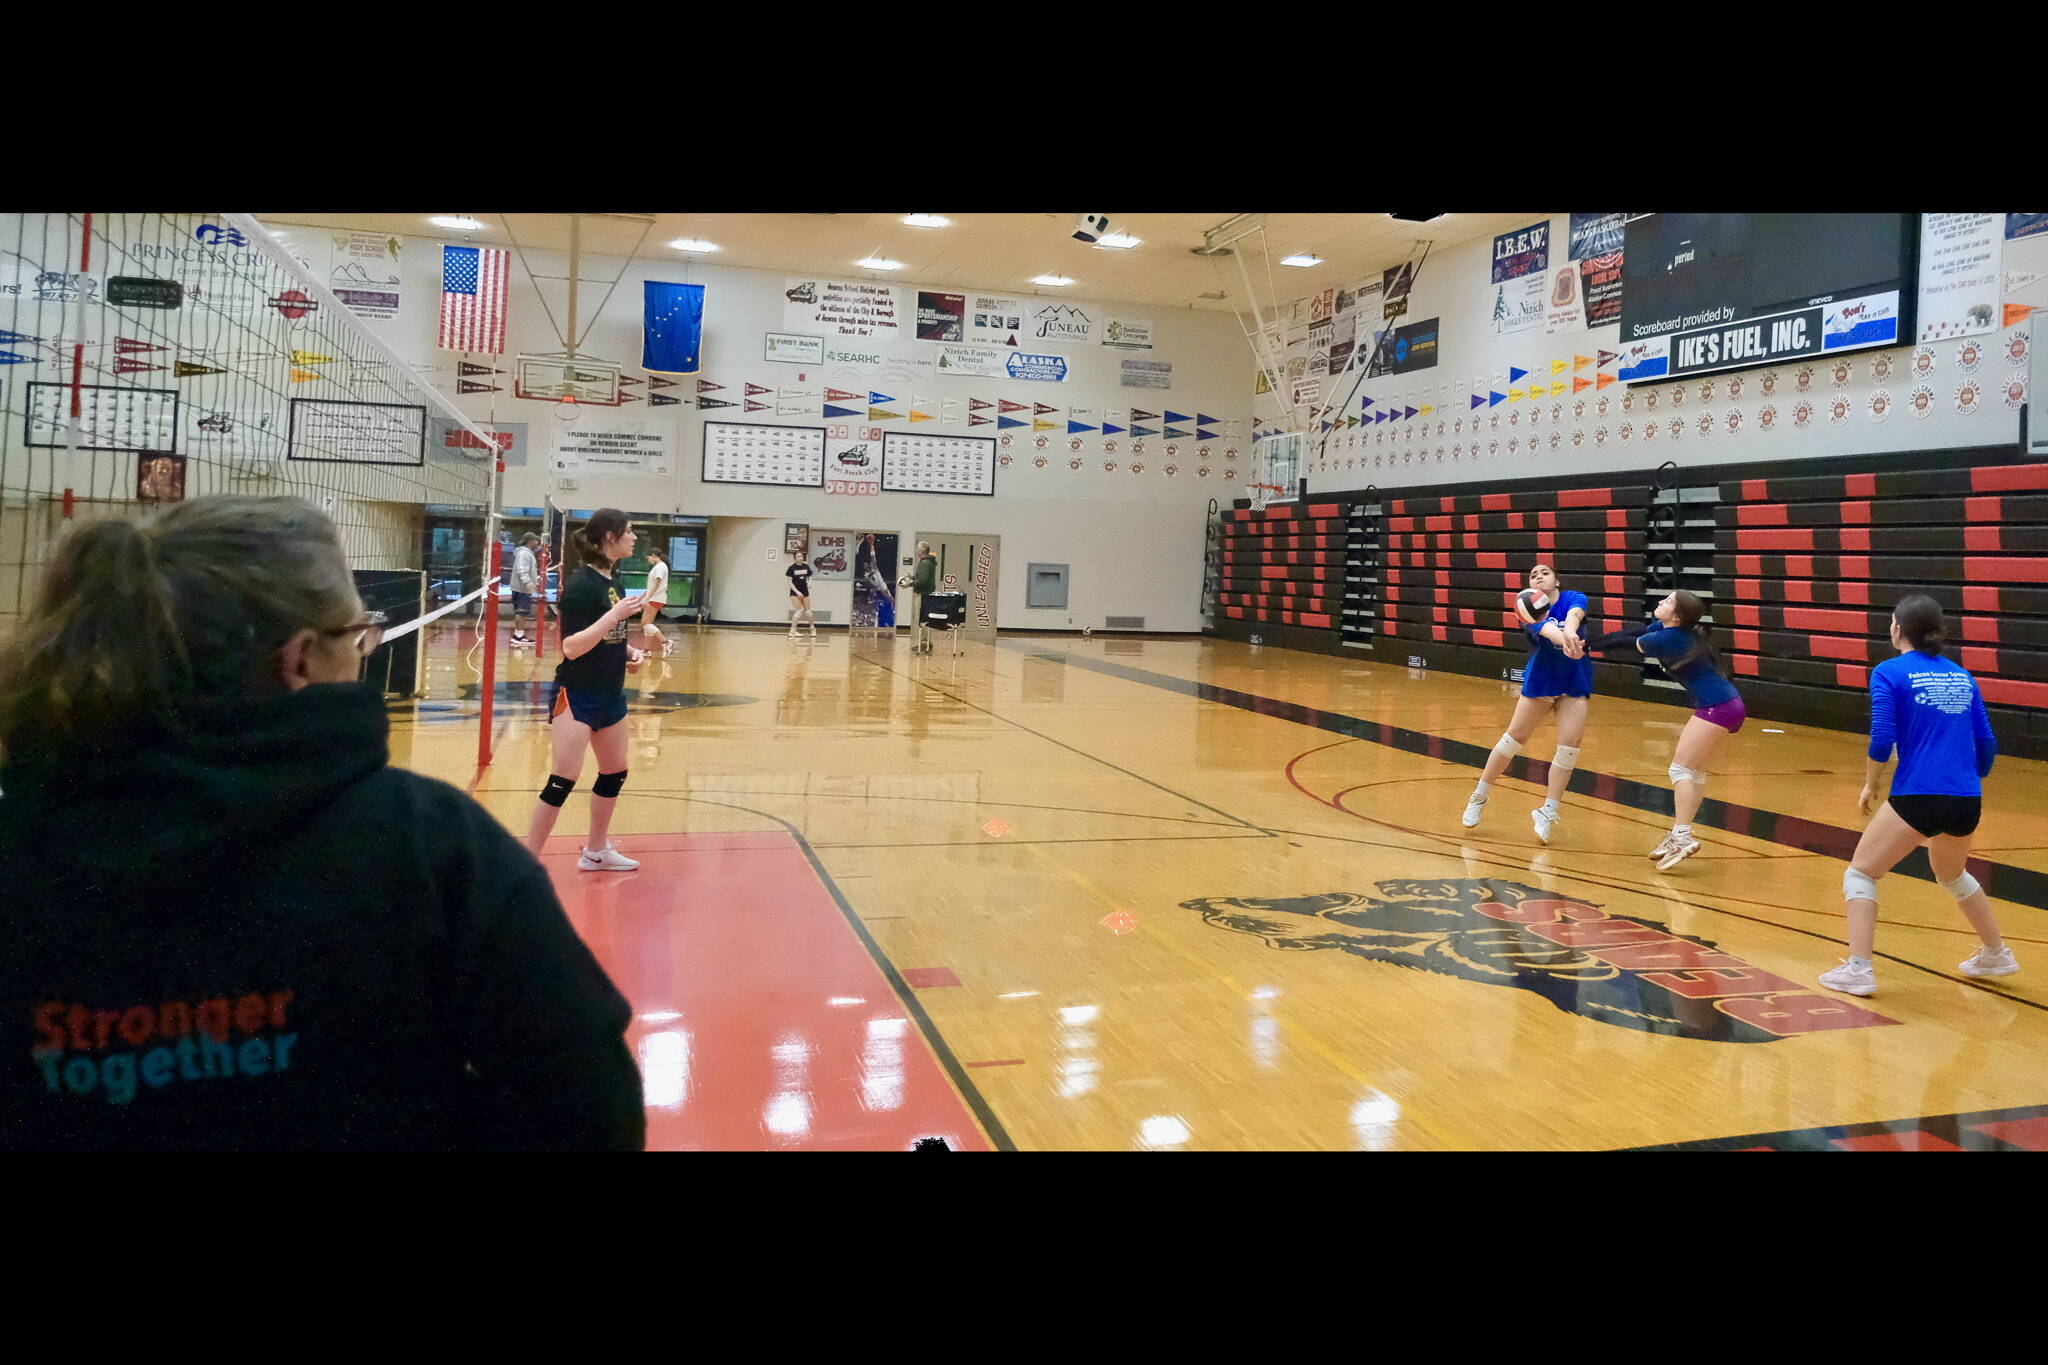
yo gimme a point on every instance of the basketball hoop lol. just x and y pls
(1263, 493)
(565, 410)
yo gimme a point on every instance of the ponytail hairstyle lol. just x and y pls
(133, 619)
(589, 539)
(1919, 620)
(1689, 609)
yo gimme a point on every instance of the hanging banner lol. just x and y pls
(364, 273)
(1062, 324)
(842, 308)
(941, 317)
(853, 469)
(832, 556)
(1521, 265)
(1130, 334)
(1961, 262)
(2025, 224)
(1343, 330)
(985, 362)
(1413, 346)
(1596, 234)
(612, 445)
(1600, 288)
(787, 348)
(993, 320)
(455, 444)
(1046, 368)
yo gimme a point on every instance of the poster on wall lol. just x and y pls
(918, 463)
(1130, 334)
(2025, 224)
(1394, 286)
(796, 537)
(1048, 369)
(745, 452)
(1600, 287)
(1319, 337)
(1145, 374)
(1413, 346)
(1343, 330)
(868, 365)
(790, 348)
(1320, 306)
(1961, 260)
(994, 320)
(455, 443)
(364, 273)
(1597, 234)
(1561, 310)
(842, 308)
(1062, 324)
(874, 592)
(1521, 267)
(853, 468)
(983, 362)
(612, 445)
(331, 431)
(832, 556)
(941, 317)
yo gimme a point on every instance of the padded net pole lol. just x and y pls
(487, 688)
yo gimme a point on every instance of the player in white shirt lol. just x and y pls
(657, 598)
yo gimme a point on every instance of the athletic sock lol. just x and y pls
(1479, 792)
(1862, 962)
(1550, 806)
(1682, 831)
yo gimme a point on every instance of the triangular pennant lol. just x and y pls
(662, 400)
(1040, 424)
(1515, 375)
(471, 386)
(188, 370)
(1173, 416)
(1140, 415)
(1325, 426)
(977, 404)
(1493, 400)
(917, 416)
(1579, 383)
(1005, 405)
(16, 339)
(1516, 395)
(1409, 413)
(129, 365)
(1075, 428)
(1041, 409)
(1351, 421)
(706, 386)
(753, 406)
(877, 399)
(753, 389)
(125, 346)
(301, 376)
(831, 411)
(1428, 408)
(1201, 435)
(1176, 434)
(629, 379)
(1204, 420)
(1558, 366)
(841, 396)
(2016, 313)
(881, 414)
(1142, 432)
(469, 368)
(975, 419)
(657, 382)
(703, 403)
(310, 358)
(1580, 362)
(1602, 381)
(1477, 401)
(1606, 356)
(1005, 423)
(1364, 403)
(1111, 429)
(626, 398)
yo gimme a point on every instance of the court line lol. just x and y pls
(1032, 843)
(2019, 885)
(957, 800)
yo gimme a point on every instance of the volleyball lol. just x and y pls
(1533, 602)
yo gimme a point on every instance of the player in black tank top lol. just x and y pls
(799, 575)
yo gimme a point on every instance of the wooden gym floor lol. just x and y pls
(1114, 894)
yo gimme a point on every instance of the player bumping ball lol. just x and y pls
(1532, 604)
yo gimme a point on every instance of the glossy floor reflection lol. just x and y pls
(1186, 895)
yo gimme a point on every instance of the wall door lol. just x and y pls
(969, 563)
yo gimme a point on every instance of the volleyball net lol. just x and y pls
(146, 358)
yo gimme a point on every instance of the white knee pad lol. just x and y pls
(1680, 773)
(1507, 746)
(1566, 757)
(1857, 887)
(1963, 887)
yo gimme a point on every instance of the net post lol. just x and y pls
(488, 686)
(540, 606)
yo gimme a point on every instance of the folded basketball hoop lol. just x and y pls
(567, 379)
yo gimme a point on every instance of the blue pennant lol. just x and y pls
(1173, 416)
(1110, 430)
(1495, 399)
(1143, 431)
(831, 411)
(1076, 427)
(878, 399)
(1515, 374)
(1003, 422)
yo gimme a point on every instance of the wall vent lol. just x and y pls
(1123, 623)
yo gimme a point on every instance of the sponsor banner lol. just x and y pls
(1520, 253)
(1596, 234)
(853, 469)
(1561, 309)
(1521, 264)
(842, 308)
(613, 445)
(1145, 374)
(1600, 289)
(1961, 257)
(454, 442)
(1319, 336)
(1062, 324)
(941, 317)
(1130, 334)
(1045, 368)
(870, 364)
(983, 361)
(1872, 320)
(995, 320)
(364, 273)
(831, 556)
(1343, 330)
(2025, 224)
(789, 348)
(1395, 283)
(1413, 346)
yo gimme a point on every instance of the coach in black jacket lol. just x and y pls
(228, 922)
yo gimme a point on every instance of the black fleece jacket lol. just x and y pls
(247, 931)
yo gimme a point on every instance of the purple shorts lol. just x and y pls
(1729, 715)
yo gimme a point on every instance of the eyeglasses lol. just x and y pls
(369, 632)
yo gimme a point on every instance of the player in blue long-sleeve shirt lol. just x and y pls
(1930, 708)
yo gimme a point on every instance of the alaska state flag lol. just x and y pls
(674, 327)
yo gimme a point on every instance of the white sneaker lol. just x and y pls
(606, 859)
(1987, 963)
(1473, 810)
(1851, 980)
(1663, 847)
(1544, 821)
(1682, 847)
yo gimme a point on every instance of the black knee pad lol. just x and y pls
(608, 784)
(557, 790)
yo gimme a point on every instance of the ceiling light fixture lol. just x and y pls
(459, 224)
(1118, 241)
(693, 244)
(878, 263)
(1302, 258)
(1415, 217)
(926, 220)
(1054, 280)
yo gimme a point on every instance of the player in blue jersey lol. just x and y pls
(1930, 708)
(1676, 640)
(1558, 678)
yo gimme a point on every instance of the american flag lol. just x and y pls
(473, 299)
